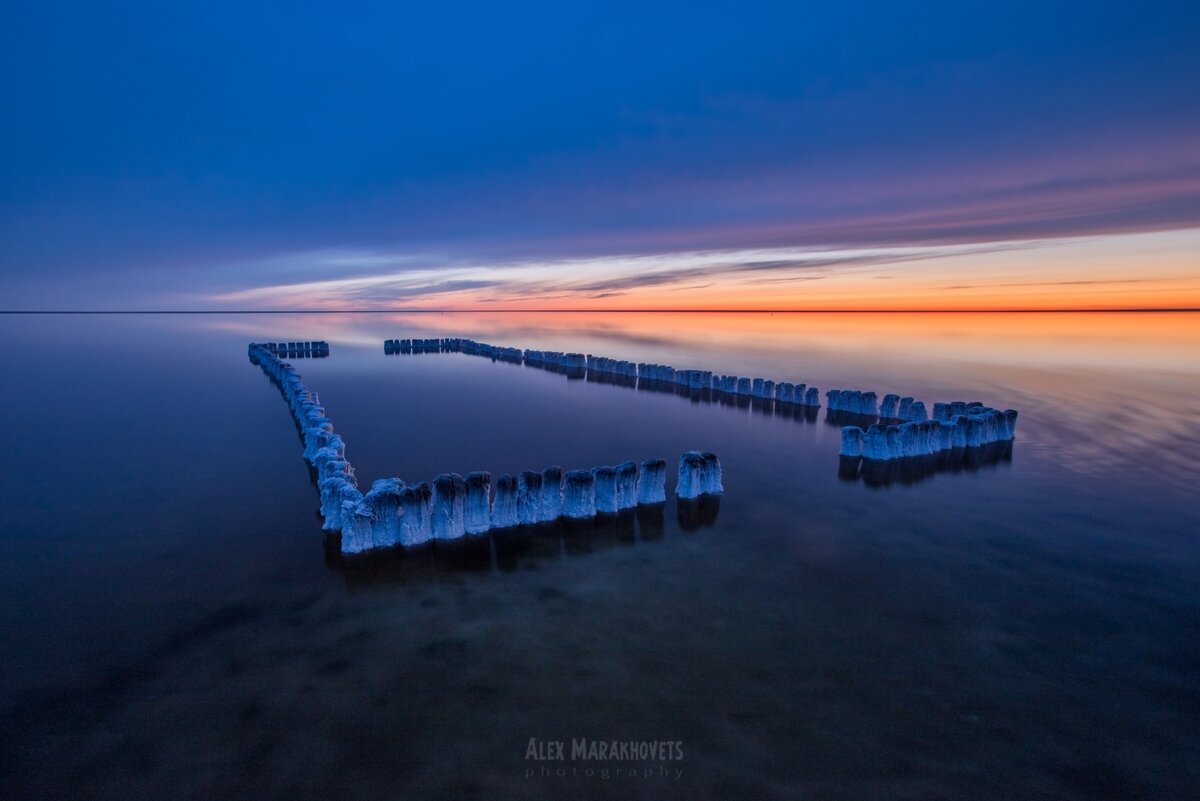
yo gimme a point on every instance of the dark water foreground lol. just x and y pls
(1027, 626)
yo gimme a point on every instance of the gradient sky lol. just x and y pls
(560, 155)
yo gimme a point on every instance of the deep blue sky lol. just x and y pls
(156, 148)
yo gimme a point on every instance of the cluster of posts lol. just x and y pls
(393, 513)
(867, 404)
(586, 363)
(954, 425)
(421, 345)
(300, 350)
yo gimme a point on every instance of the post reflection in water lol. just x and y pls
(695, 513)
(957, 630)
(518, 548)
(909, 470)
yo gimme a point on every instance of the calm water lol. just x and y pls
(172, 627)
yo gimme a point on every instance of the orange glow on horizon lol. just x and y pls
(913, 296)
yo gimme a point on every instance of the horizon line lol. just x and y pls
(1132, 309)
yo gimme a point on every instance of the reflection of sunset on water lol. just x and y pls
(1132, 375)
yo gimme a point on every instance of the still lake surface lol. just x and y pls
(172, 626)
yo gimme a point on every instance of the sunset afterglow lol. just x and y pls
(884, 156)
(1146, 271)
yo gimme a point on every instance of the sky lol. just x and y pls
(600, 156)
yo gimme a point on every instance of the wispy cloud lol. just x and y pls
(1105, 282)
(595, 278)
(928, 276)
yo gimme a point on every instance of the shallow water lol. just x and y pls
(173, 626)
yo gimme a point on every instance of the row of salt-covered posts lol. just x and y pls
(323, 449)
(856, 402)
(763, 388)
(867, 404)
(420, 345)
(314, 349)
(959, 424)
(954, 425)
(393, 513)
